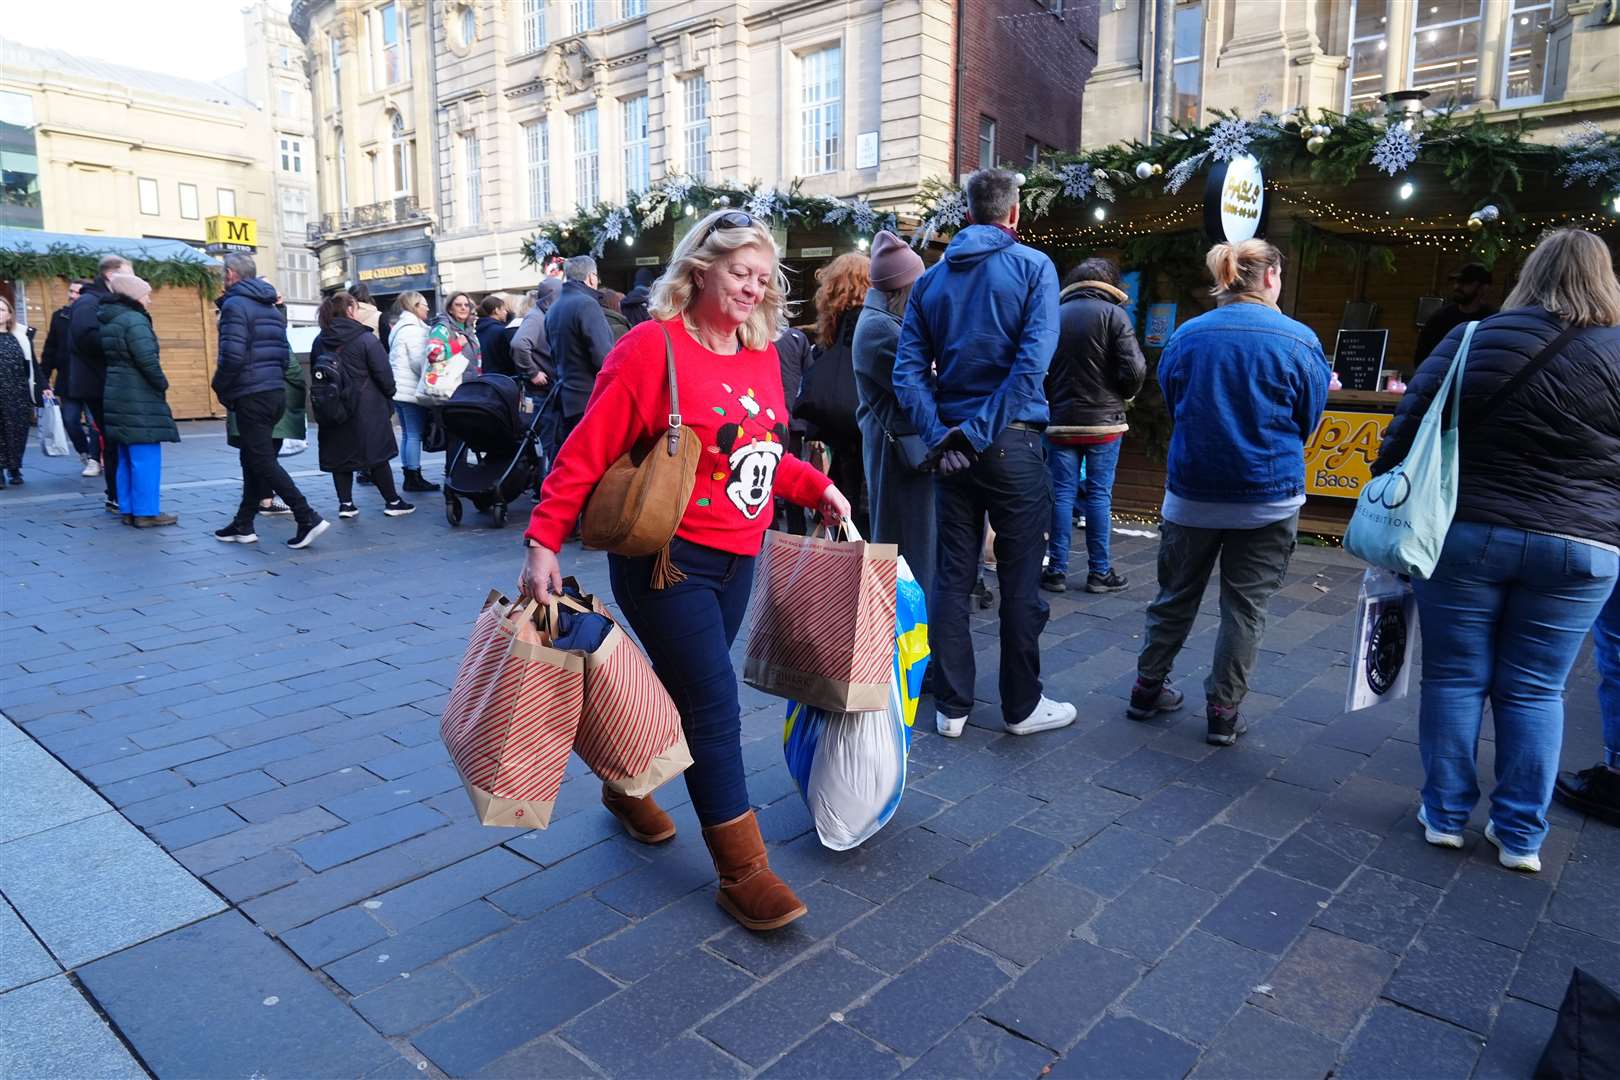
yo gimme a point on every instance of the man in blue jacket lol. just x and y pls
(248, 380)
(970, 371)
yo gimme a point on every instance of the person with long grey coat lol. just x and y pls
(900, 498)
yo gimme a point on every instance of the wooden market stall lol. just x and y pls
(36, 267)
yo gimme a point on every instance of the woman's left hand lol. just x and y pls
(833, 508)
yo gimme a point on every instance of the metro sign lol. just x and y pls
(230, 234)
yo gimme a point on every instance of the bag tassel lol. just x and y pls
(664, 572)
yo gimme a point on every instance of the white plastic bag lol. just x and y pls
(1386, 636)
(851, 766)
(53, 436)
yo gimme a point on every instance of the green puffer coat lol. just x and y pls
(133, 404)
(292, 424)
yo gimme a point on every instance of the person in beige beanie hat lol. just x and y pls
(899, 495)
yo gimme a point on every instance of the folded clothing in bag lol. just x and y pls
(851, 766)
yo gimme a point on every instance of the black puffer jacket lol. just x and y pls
(252, 341)
(366, 438)
(1098, 365)
(87, 367)
(1549, 458)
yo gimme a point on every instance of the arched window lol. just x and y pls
(401, 148)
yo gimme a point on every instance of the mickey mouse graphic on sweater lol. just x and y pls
(751, 457)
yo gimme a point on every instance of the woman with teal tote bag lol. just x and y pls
(1517, 448)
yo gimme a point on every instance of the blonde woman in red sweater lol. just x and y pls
(721, 302)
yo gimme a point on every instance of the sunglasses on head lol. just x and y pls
(731, 219)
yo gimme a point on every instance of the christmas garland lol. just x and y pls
(590, 231)
(1489, 160)
(70, 261)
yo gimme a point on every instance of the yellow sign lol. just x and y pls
(1339, 457)
(382, 273)
(231, 233)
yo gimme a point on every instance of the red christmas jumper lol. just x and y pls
(735, 405)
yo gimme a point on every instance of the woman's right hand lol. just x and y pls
(542, 574)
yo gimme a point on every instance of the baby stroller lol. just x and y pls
(497, 454)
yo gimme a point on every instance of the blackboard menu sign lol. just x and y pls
(1358, 356)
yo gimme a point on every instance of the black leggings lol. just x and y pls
(381, 475)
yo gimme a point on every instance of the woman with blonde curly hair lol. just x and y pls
(717, 310)
(828, 401)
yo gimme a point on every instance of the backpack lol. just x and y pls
(331, 394)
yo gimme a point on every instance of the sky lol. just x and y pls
(195, 39)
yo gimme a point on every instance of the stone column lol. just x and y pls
(915, 94)
(1492, 44)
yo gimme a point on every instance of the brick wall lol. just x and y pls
(1026, 69)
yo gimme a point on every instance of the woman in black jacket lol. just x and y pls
(494, 343)
(1096, 369)
(1534, 549)
(364, 441)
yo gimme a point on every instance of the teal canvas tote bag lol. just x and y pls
(1401, 518)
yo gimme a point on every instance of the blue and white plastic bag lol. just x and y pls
(851, 767)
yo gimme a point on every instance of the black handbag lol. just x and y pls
(913, 452)
(434, 439)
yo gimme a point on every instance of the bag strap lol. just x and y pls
(1525, 374)
(672, 439)
(1451, 389)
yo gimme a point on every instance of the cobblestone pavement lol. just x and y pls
(1113, 899)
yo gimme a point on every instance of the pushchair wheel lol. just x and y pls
(452, 509)
(499, 510)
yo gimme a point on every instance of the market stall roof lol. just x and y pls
(39, 242)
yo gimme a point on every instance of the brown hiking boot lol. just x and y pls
(642, 818)
(749, 891)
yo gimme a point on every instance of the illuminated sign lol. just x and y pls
(1339, 457)
(224, 234)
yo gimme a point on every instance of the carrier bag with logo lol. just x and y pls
(1401, 518)
(1386, 633)
(851, 766)
(823, 621)
(629, 731)
(513, 714)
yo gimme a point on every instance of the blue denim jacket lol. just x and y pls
(979, 332)
(1245, 385)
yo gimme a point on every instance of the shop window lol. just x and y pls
(1445, 51)
(1524, 75)
(533, 25)
(637, 177)
(581, 16)
(225, 201)
(1369, 44)
(147, 191)
(1188, 66)
(695, 96)
(987, 142)
(188, 202)
(587, 158)
(821, 120)
(537, 161)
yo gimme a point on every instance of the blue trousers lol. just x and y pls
(1606, 652)
(140, 476)
(1084, 474)
(76, 418)
(688, 630)
(412, 423)
(1503, 617)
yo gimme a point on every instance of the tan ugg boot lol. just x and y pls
(642, 818)
(749, 891)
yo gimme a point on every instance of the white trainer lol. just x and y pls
(92, 467)
(1434, 835)
(1530, 864)
(1049, 715)
(949, 726)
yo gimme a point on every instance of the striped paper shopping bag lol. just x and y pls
(823, 621)
(512, 716)
(630, 732)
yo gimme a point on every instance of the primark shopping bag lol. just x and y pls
(1401, 518)
(1386, 631)
(822, 620)
(53, 436)
(513, 714)
(629, 730)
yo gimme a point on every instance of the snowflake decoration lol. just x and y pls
(543, 249)
(1229, 139)
(768, 205)
(1593, 159)
(1183, 172)
(612, 228)
(1396, 150)
(1076, 180)
(677, 188)
(861, 215)
(948, 213)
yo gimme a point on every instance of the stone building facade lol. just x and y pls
(1541, 58)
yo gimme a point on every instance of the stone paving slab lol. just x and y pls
(1114, 899)
(51, 1031)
